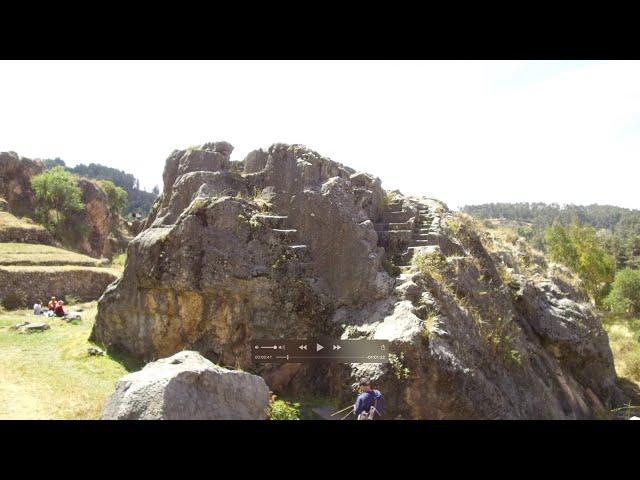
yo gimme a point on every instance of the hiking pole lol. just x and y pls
(346, 415)
(340, 411)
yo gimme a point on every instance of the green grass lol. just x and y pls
(624, 338)
(49, 375)
(36, 254)
(119, 260)
(9, 221)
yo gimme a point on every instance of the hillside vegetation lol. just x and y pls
(138, 201)
(617, 228)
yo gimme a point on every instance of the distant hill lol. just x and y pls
(138, 201)
(618, 227)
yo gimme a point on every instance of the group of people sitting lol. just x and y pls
(55, 308)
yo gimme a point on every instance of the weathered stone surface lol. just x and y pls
(255, 161)
(15, 182)
(187, 386)
(475, 347)
(213, 270)
(28, 327)
(97, 218)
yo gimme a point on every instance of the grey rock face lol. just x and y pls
(15, 186)
(187, 386)
(215, 268)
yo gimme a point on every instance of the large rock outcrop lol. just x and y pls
(94, 230)
(15, 183)
(290, 244)
(187, 386)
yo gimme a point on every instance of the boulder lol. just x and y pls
(187, 386)
(27, 327)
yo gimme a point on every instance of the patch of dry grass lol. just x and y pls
(624, 338)
(36, 254)
(10, 221)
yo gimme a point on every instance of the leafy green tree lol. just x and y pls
(624, 297)
(578, 247)
(56, 191)
(117, 197)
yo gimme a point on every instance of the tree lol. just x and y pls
(579, 248)
(56, 190)
(50, 163)
(117, 197)
(624, 297)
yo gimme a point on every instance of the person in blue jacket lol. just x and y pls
(370, 403)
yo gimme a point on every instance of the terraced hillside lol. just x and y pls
(28, 254)
(30, 272)
(14, 229)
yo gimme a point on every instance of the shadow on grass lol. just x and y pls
(308, 402)
(128, 361)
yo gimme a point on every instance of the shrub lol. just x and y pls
(624, 297)
(391, 268)
(116, 197)
(399, 369)
(389, 197)
(283, 410)
(263, 200)
(119, 260)
(14, 301)
(431, 263)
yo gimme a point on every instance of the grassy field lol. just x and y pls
(36, 254)
(49, 375)
(9, 221)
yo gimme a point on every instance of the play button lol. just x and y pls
(318, 347)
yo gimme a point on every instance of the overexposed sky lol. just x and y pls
(460, 131)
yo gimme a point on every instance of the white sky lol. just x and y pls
(460, 131)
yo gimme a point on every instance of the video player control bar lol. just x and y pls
(303, 351)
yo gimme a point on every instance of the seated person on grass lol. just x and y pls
(52, 304)
(59, 310)
(37, 308)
